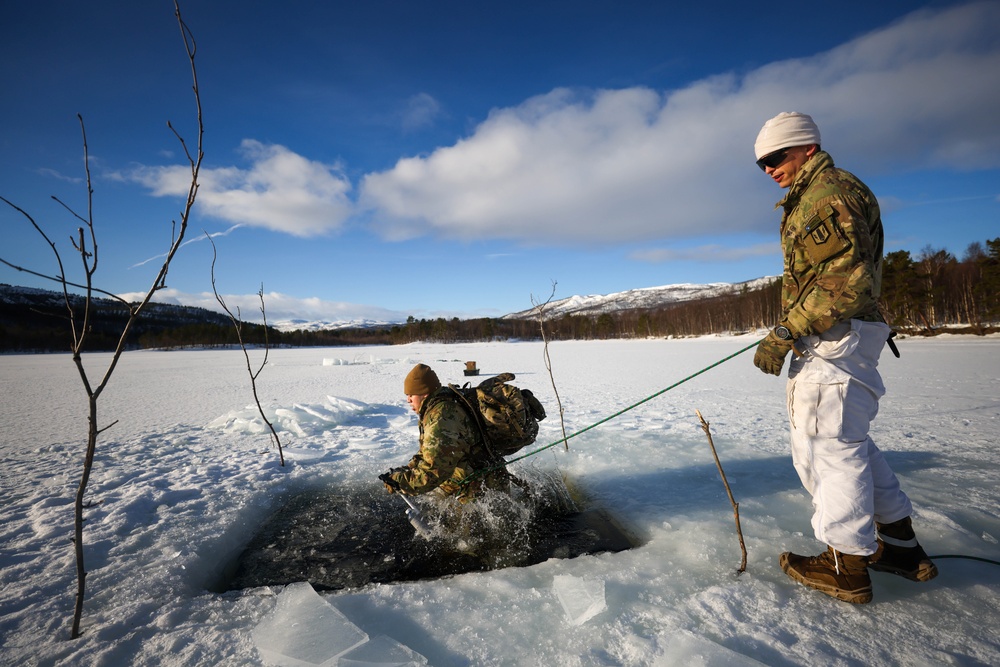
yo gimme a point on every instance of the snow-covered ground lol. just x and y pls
(187, 474)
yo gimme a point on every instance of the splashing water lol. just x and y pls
(353, 537)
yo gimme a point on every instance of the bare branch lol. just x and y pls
(548, 361)
(238, 325)
(102, 430)
(89, 260)
(160, 281)
(41, 232)
(84, 242)
(736, 506)
(267, 344)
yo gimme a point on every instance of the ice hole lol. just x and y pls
(345, 538)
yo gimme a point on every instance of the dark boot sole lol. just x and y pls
(924, 571)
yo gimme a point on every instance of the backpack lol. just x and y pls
(507, 416)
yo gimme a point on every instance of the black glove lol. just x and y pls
(391, 485)
(771, 353)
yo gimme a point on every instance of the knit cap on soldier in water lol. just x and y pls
(421, 381)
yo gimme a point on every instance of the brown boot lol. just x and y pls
(840, 575)
(900, 553)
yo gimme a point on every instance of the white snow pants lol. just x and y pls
(833, 392)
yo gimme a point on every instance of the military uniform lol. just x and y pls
(831, 237)
(831, 234)
(451, 450)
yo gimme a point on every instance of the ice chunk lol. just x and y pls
(382, 651)
(581, 599)
(690, 650)
(303, 453)
(305, 630)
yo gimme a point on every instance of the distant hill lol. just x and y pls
(14, 299)
(646, 298)
(288, 326)
(34, 319)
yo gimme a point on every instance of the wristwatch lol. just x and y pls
(783, 333)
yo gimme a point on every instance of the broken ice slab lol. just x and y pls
(581, 599)
(303, 630)
(690, 650)
(382, 651)
(303, 453)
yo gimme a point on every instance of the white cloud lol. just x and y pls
(421, 110)
(52, 173)
(712, 253)
(281, 190)
(196, 239)
(589, 167)
(279, 307)
(635, 164)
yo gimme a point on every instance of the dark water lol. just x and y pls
(349, 538)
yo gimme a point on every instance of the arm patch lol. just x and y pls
(823, 238)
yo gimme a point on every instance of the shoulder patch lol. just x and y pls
(823, 237)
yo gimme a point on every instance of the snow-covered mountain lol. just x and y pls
(591, 304)
(12, 297)
(645, 297)
(286, 326)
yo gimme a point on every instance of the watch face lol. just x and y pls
(783, 333)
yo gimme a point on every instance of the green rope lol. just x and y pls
(483, 471)
(981, 560)
(649, 398)
(635, 405)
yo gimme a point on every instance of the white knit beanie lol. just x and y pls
(788, 128)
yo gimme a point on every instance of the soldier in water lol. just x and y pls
(453, 460)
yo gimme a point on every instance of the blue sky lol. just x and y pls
(438, 159)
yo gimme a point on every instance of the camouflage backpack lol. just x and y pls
(507, 416)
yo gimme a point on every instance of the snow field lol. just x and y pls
(188, 473)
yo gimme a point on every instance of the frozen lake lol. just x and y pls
(187, 476)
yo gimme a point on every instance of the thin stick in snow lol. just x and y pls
(736, 505)
(548, 361)
(238, 325)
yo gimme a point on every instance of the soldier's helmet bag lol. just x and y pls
(507, 416)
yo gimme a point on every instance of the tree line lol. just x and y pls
(920, 295)
(935, 289)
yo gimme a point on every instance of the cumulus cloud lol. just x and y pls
(638, 164)
(280, 190)
(279, 307)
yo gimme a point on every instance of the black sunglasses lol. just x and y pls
(772, 160)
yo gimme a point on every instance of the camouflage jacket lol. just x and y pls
(831, 239)
(451, 449)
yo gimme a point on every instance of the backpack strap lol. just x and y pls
(459, 396)
(456, 394)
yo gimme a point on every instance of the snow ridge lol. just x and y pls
(644, 297)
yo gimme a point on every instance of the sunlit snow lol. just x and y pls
(188, 474)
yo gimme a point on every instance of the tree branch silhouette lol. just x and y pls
(238, 325)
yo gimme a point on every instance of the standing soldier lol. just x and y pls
(831, 239)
